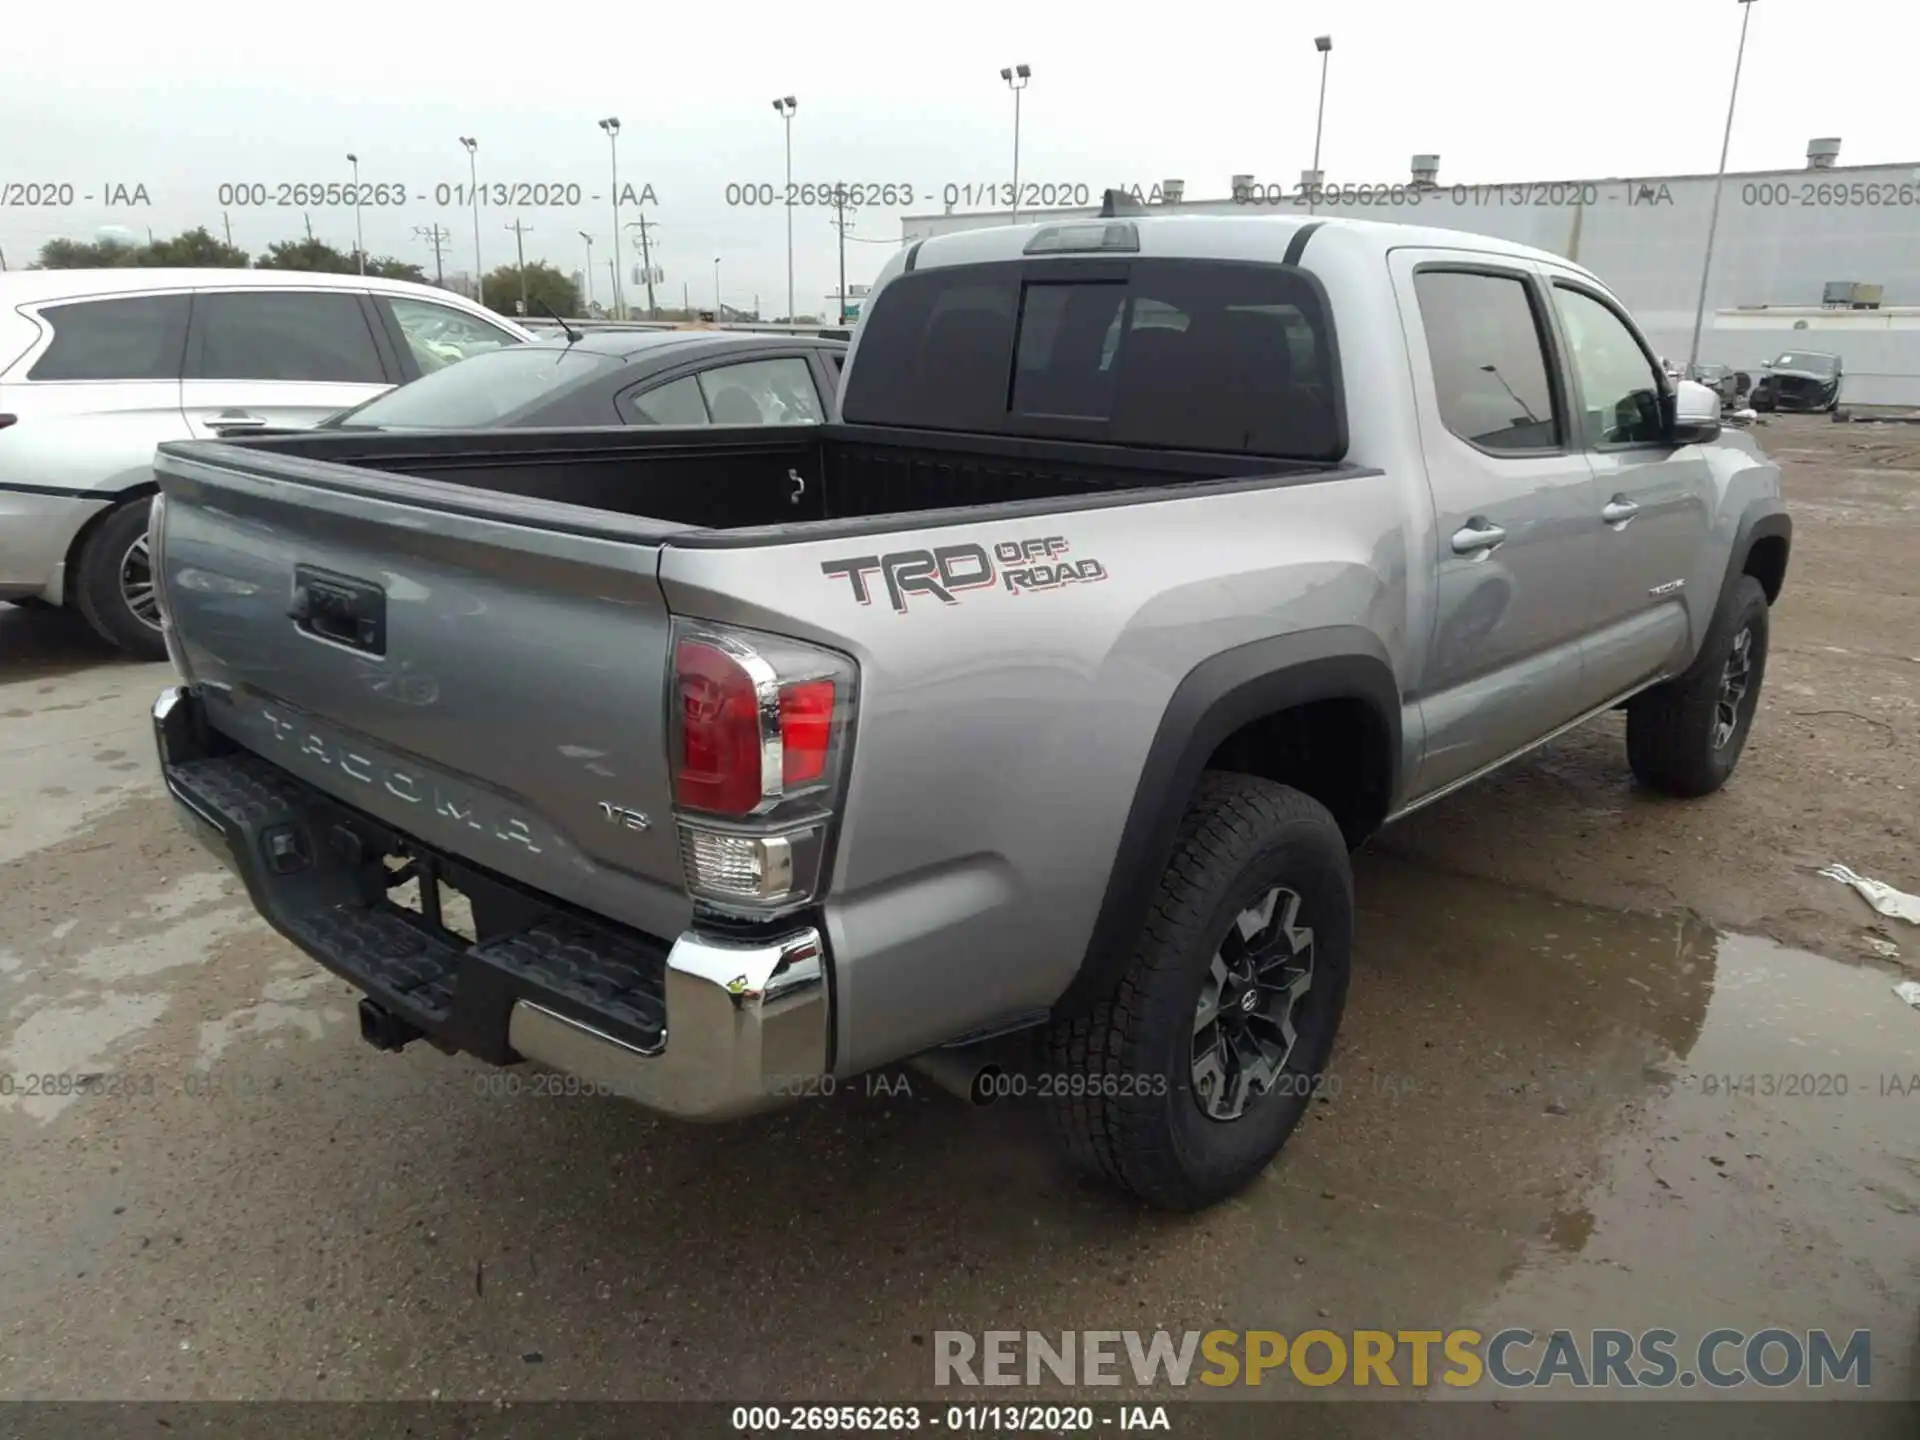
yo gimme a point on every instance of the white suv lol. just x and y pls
(99, 366)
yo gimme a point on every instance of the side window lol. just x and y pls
(1489, 359)
(140, 338)
(1619, 387)
(762, 392)
(285, 335)
(439, 335)
(676, 403)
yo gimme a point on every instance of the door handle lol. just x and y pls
(237, 421)
(1619, 510)
(1478, 536)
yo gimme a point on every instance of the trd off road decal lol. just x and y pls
(1018, 565)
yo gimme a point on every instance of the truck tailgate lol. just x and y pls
(484, 673)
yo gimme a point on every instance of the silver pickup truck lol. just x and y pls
(1150, 566)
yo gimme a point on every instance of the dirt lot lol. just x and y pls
(1560, 986)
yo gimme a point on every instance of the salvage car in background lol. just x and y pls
(1729, 384)
(99, 366)
(1799, 380)
(620, 377)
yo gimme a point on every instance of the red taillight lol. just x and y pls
(722, 746)
(719, 768)
(806, 729)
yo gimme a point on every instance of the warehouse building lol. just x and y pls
(1819, 257)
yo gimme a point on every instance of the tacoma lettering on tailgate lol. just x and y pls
(1018, 566)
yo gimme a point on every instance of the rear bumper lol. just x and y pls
(704, 1028)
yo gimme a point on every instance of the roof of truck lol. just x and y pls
(1250, 237)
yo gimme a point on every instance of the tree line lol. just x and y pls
(502, 288)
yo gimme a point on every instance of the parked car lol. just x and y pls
(1025, 715)
(1799, 380)
(99, 366)
(620, 377)
(1729, 384)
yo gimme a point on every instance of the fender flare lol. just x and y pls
(1763, 519)
(1218, 696)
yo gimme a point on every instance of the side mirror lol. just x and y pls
(1696, 414)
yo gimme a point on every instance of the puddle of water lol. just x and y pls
(1547, 1115)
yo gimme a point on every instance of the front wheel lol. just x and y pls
(1685, 737)
(116, 591)
(1191, 1072)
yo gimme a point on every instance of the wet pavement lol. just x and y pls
(1542, 1114)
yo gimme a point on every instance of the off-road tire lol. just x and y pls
(1671, 728)
(1126, 1106)
(97, 592)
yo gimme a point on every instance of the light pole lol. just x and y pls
(1324, 44)
(589, 272)
(786, 105)
(717, 317)
(1713, 223)
(359, 249)
(612, 126)
(1016, 79)
(473, 185)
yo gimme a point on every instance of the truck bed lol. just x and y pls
(726, 479)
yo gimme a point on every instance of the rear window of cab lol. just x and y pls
(1177, 354)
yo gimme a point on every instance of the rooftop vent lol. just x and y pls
(1172, 190)
(1426, 171)
(1823, 152)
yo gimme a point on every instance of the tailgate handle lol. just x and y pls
(339, 608)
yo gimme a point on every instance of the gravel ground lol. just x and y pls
(1555, 976)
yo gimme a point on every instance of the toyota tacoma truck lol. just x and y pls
(1149, 566)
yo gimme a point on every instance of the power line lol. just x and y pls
(646, 260)
(437, 236)
(520, 248)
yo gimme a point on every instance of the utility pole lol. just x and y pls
(587, 300)
(840, 223)
(646, 260)
(520, 249)
(228, 224)
(437, 236)
(3, 258)
(1719, 183)
(613, 276)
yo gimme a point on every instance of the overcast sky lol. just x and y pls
(1504, 90)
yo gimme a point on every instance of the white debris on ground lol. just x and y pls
(1909, 991)
(1896, 904)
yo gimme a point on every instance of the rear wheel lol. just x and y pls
(116, 591)
(1183, 1082)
